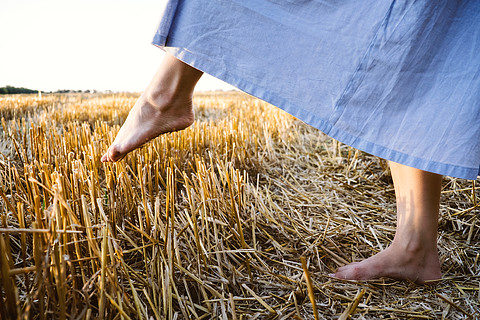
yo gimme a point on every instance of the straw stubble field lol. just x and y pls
(241, 216)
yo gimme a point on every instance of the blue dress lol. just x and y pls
(397, 79)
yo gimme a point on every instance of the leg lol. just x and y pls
(413, 253)
(165, 106)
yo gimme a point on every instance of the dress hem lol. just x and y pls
(326, 127)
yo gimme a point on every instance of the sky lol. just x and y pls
(82, 45)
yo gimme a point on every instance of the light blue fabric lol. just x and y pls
(397, 79)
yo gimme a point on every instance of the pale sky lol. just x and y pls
(72, 44)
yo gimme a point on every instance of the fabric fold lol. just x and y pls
(397, 79)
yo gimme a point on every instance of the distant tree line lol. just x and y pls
(13, 90)
(73, 91)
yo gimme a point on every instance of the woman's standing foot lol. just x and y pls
(396, 262)
(413, 253)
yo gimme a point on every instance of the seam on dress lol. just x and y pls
(353, 83)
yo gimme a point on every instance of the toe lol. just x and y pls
(114, 155)
(353, 271)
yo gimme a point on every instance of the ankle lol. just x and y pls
(159, 99)
(416, 249)
(163, 99)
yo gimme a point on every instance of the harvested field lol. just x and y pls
(241, 216)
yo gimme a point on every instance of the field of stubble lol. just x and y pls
(212, 222)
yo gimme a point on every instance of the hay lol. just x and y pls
(210, 222)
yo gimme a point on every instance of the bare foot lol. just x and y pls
(413, 253)
(165, 106)
(147, 120)
(396, 263)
